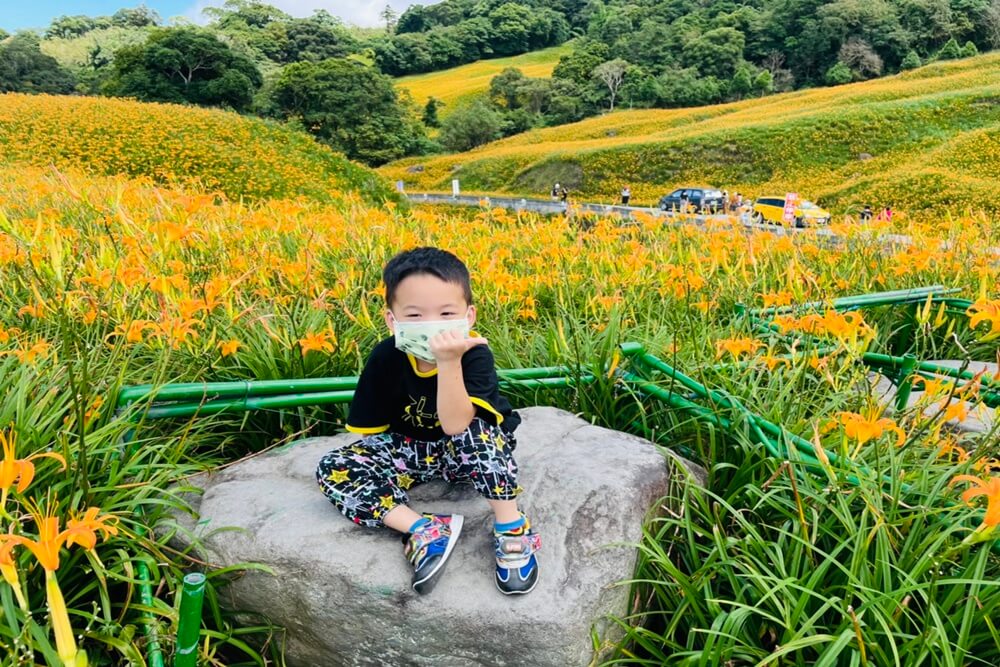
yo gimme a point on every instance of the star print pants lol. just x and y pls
(369, 478)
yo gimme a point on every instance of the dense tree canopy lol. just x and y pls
(185, 65)
(349, 106)
(797, 42)
(455, 32)
(25, 69)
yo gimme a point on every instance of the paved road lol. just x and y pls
(548, 206)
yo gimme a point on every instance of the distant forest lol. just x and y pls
(334, 80)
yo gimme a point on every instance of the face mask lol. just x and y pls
(415, 337)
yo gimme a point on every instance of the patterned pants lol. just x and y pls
(369, 478)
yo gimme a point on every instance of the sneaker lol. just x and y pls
(517, 567)
(429, 547)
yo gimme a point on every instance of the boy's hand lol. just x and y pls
(450, 345)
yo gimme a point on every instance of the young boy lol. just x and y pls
(428, 405)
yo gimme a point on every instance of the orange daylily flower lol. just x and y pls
(83, 532)
(985, 311)
(321, 342)
(227, 348)
(8, 569)
(983, 487)
(863, 429)
(782, 298)
(737, 346)
(772, 361)
(29, 354)
(19, 471)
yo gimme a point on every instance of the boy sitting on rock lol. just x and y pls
(428, 405)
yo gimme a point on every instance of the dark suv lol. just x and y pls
(700, 200)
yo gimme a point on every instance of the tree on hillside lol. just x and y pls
(25, 69)
(430, 115)
(716, 52)
(3, 34)
(991, 19)
(742, 82)
(244, 14)
(950, 50)
(612, 75)
(473, 126)
(861, 58)
(763, 83)
(390, 18)
(579, 65)
(350, 107)
(839, 74)
(911, 61)
(688, 88)
(319, 37)
(67, 27)
(505, 88)
(137, 17)
(185, 65)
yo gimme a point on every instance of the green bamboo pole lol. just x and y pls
(189, 620)
(200, 391)
(154, 653)
(905, 381)
(889, 298)
(286, 401)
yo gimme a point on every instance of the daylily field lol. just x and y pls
(882, 557)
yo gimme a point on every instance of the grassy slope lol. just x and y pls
(215, 150)
(74, 51)
(933, 134)
(455, 86)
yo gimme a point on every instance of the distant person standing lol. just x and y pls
(866, 213)
(886, 214)
(563, 194)
(626, 195)
(555, 191)
(726, 204)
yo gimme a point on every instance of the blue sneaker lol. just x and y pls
(429, 547)
(517, 567)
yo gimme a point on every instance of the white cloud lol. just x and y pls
(358, 12)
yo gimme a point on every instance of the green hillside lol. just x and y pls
(215, 150)
(926, 140)
(457, 85)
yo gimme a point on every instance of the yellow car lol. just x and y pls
(772, 209)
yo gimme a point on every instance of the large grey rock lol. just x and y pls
(342, 592)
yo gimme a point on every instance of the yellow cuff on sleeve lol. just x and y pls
(486, 406)
(371, 430)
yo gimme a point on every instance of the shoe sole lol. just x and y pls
(426, 585)
(524, 592)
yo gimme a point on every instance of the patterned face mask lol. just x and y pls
(415, 337)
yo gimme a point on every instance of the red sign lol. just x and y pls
(791, 203)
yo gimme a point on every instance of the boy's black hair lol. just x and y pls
(433, 261)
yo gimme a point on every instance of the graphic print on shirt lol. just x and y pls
(415, 414)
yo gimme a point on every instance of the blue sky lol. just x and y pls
(16, 14)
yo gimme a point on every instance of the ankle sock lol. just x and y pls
(418, 524)
(514, 527)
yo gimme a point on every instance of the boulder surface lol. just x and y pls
(343, 592)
